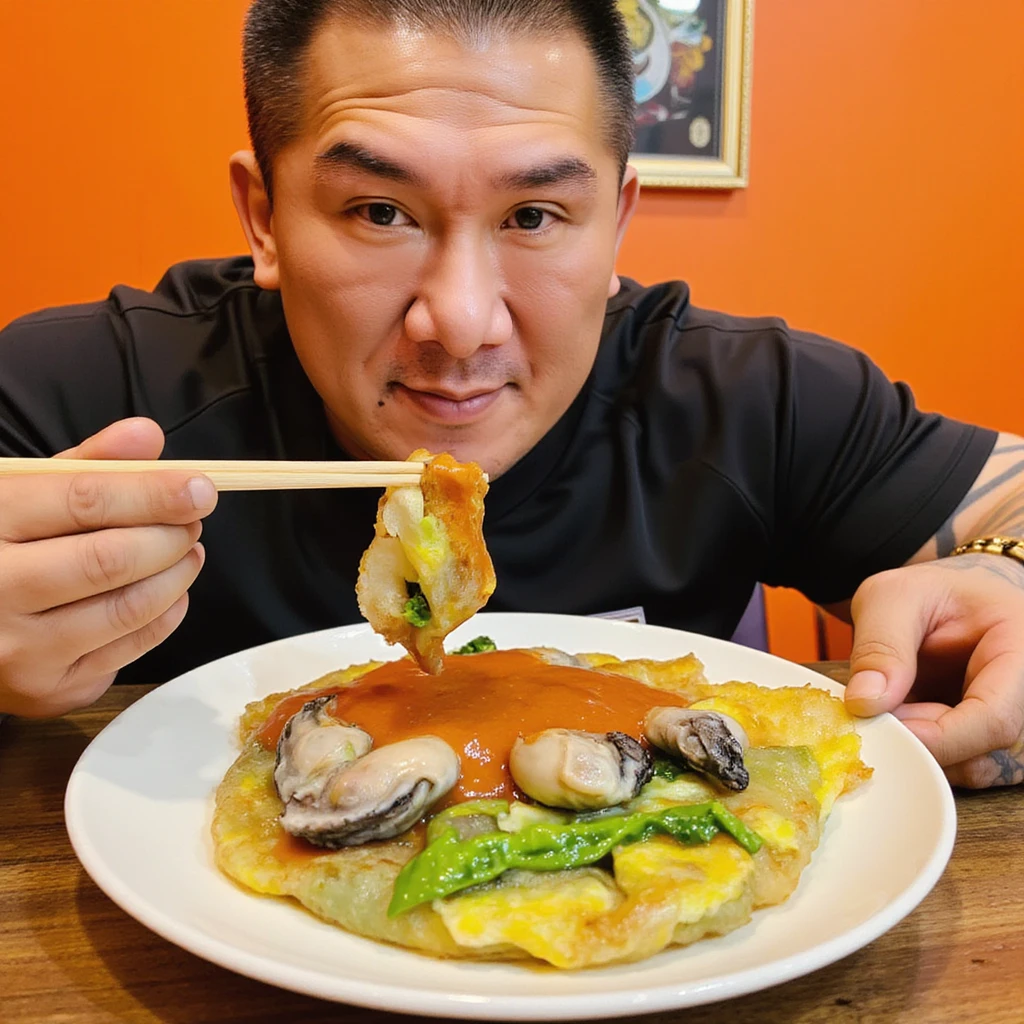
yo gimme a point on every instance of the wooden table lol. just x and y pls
(69, 955)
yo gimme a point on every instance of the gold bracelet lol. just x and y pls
(1010, 546)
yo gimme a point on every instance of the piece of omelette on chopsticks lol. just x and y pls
(427, 569)
(574, 809)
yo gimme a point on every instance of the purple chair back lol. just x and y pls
(752, 630)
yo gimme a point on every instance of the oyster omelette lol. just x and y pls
(574, 809)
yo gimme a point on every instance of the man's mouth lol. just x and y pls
(449, 407)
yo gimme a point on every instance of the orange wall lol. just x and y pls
(884, 209)
(117, 118)
(885, 205)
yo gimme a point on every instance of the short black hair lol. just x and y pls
(278, 33)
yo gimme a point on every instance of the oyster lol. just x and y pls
(312, 747)
(553, 656)
(338, 792)
(707, 741)
(580, 770)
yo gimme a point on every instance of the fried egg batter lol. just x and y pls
(804, 753)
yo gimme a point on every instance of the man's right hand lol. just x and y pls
(94, 569)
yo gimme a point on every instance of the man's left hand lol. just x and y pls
(941, 645)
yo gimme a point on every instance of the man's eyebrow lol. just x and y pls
(570, 170)
(348, 154)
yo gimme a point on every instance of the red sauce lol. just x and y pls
(479, 705)
(290, 848)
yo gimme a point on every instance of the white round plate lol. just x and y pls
(139, 805)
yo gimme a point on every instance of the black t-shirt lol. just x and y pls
(705, 453)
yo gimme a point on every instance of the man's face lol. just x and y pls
(443, 235)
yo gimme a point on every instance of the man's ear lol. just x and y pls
(253, 207)
(629, 195)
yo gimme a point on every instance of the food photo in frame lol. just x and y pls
(692, 60)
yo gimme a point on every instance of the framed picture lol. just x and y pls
(692, 60)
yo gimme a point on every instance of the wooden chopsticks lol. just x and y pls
(229, 475)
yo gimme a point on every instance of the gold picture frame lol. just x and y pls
(693, 61)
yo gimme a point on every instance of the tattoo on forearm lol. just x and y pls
(946, 538)
(1008, 517)
(1008, 569)
(979, 492)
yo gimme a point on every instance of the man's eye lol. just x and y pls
(528, 218)
(383, 215)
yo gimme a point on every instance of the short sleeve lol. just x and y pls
(863, 478)
(63, 376)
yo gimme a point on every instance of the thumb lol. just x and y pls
(134, 438)
(890, 616)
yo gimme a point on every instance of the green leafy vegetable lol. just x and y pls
(449, 864)
(416, 611)
(478, 645)
(666, 769)
(728, 822)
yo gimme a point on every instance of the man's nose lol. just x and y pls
(459, 303)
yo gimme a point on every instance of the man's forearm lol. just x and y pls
(993, 507)
(1001, 489)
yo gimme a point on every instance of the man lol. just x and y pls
(433, 205)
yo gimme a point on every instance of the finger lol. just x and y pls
(44, 574)
(101, 663)
(134, 438)
(40, 507)
(989, 718)
(998, 768)
(89, 677)
(890, 614)
(77, 629)
(919, 718)
(925, 711)
(27, 703)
